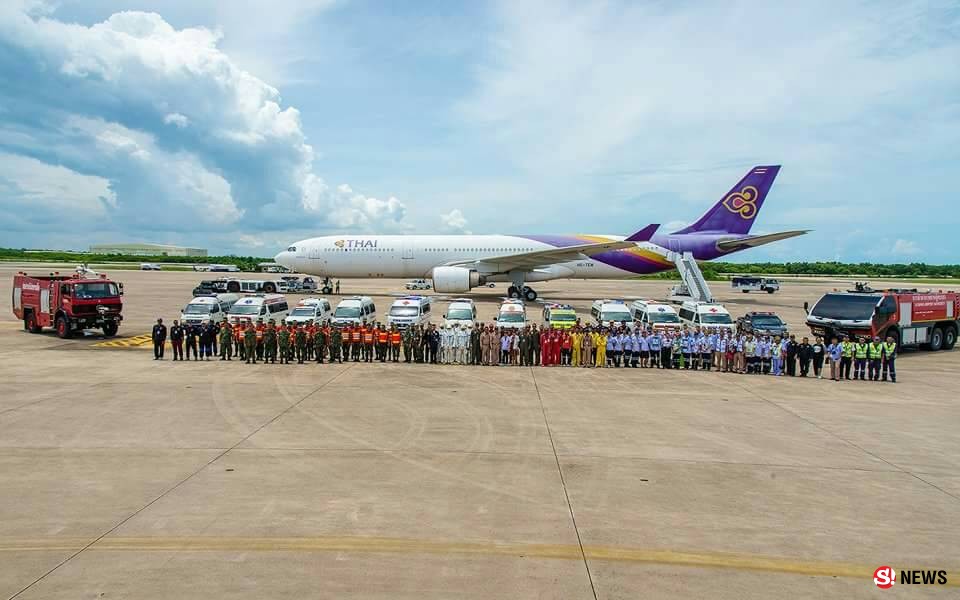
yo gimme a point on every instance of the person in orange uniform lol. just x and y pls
(395, 340)
(383, 342)
(346, 339)
(369, 334)
(357, 341)
(260, 329)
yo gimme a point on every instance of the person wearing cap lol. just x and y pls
(819, 352)
(176, 340)
(270, 342)
(226, 340)
(846, 357)
(396, 340)
(250, 343)
(586, 348)
(860, 352)
(875, 357)
(889, 359)
(283, 343)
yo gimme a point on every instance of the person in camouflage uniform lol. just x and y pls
(283, 340)
(250, 344)
(300, 339)
(408, 344)
(418, 341)
(336, 345)
(270, 343)
(319, 344)
(226, 341)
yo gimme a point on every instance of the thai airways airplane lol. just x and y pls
(458, 263)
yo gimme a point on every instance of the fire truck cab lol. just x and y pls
(68, 303)
(910, 317)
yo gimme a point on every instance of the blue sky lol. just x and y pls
(241, 126)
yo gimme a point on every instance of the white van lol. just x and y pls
(649, 314)
(259, 306)
(460, 312)
(711, 315)
(512, 315)
(611, 313)
(409, 310)
(355, 310)
(310, 310)
(212, 307)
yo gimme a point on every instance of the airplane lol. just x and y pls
(459, 263)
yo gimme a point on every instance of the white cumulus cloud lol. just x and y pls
(183, 138)
(454, 221)
(905, 248)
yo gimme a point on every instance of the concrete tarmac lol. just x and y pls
(125, 477)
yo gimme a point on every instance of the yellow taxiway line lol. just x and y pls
(713, 560)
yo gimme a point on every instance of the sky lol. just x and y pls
(243, 126)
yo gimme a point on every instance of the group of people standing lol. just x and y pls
(532, 345)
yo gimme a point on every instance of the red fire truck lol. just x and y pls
(911, 317)
(68, 303)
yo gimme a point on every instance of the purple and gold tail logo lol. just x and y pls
(743, 203)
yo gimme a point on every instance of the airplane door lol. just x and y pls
(407, 263)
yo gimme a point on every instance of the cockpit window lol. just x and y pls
(292, 249)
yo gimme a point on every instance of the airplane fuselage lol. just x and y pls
(373, 256)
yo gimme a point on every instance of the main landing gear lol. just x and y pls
(523, 292)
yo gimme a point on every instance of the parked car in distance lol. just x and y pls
(418, 284)
(149, 267)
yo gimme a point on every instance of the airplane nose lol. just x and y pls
(282, 258)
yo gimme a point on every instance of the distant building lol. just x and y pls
(146, 250)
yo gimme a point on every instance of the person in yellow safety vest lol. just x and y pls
(890, 358)
(860, 350)
(875, 354)
(846, 358)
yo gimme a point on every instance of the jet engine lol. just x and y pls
(455, 280)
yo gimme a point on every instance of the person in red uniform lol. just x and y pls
(545, 355)
(566, 343)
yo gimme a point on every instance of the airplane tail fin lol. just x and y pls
(736, 211)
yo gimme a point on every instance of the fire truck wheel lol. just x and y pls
(109, 329)
(63, 328)
(936, 339)
(949, 338)
(30, 323)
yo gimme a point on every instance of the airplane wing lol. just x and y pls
(542, 258)
(752, 241)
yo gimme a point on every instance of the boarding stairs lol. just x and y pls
(693, 286)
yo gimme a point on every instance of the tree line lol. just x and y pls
(711, 270)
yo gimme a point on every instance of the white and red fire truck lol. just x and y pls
(911, 317)
(68, 303)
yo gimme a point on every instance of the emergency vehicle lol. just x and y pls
(711, 315)
(258, 306)
(68, 303)
(354, 311)
(611, 313)
(409, 310)
(910, 317)
(658, 316)
(512, 315)
(310, 311)
(460, 312)
(212, 307)
(559, 316)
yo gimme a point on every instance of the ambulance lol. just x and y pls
(212, 307)
(409, 310)
(649, 314)
(512, 315)
(709, 315)
(559, 316)
(252, 307)
(460, 312)
(309, 311)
